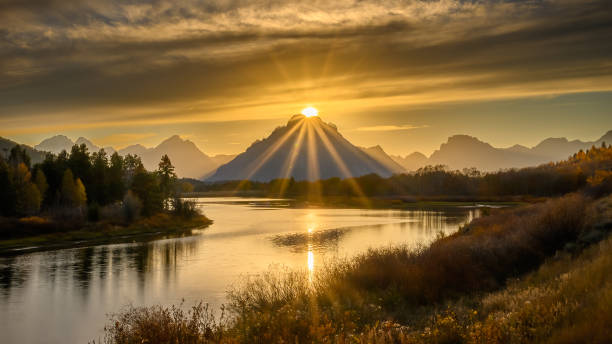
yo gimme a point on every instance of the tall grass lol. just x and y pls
(367, 298)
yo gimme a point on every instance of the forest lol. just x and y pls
(590, 168)
(69, 190)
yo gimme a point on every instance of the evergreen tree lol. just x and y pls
(116, 187)
(79, 163)
(145, 186)
(8, 195)
(167, 178)
(99, 192)
(19, 156)
(131, 163)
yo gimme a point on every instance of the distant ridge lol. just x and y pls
(6, 145)
(304, 149)
(187, 158)
(463, 151)
(58, 143)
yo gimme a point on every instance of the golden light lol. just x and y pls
(310, 112)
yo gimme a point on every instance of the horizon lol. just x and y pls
(158, 141)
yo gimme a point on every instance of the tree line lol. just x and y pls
(590, 169)
(83, 183)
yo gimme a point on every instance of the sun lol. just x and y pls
(310, 112)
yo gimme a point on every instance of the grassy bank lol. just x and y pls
(73, 235)
(471, 287)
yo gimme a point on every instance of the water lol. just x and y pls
(63, 296)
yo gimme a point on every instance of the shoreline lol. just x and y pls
(391, 202)
(156, 227)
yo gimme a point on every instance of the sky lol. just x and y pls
(401, 74)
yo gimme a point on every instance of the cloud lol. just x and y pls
(391, 127)
(166, 62)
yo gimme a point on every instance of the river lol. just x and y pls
(64, 296)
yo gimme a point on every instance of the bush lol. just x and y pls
(184, 208)
(165, 325)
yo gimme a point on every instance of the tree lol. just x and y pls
(28, 198)
(8, 195)
(80, 193)
(18, 156)
(186, 187)
(131, 163)
(79, 163)
(41, 183)
(99, 192)
(116, 187)
(167, 178)
(145, 186)
(54, 167)
(69, 196)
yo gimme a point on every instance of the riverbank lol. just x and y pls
(157, 226)
(390, 202)
(438, 294)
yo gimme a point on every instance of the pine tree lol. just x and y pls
(167, 178)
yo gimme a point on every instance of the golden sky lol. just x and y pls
(403, 74)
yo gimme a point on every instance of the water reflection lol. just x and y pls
(64, 295)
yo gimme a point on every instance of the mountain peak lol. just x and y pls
(81, 139)
(305, 149)
(55, 144)
(607, 137)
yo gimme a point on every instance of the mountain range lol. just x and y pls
(188, 160)
(58, 143)
(282, 155)
(305, 149)
(463, 151)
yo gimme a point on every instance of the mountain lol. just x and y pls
(222, 159)
(6, 145)
(55, 144)
(189, 161)
(305, 149)
(58, 143)
(378, 154)
(411, 162)
(463, 151)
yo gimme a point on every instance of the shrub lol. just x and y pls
(184, 208)
(165, 325)
(112, 213)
